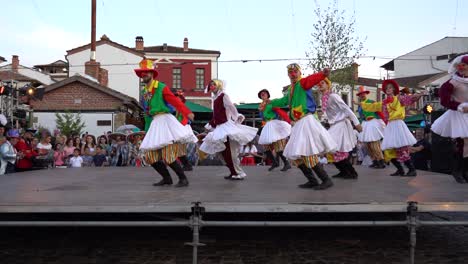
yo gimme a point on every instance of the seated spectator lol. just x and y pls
(69, 148)
(421, 151)
(248, 154)
(76, 161)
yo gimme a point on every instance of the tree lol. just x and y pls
(334, 45)
(69, 123)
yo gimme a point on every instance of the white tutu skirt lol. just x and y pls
(343, 134)
(165, 129)
(273, 131)
(214, 141)
(397, 135)
(452, 124)
(192, 139)
(372, 130)
(308, 137)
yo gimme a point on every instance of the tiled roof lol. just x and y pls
(174, 49)
(10, 75)
(105, 40)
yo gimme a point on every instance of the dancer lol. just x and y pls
(454, 122)
(372, 130)
(308, 137)
(275, 132)
(338, 114)
(226, 134)
(160, 142)
(396, 134)
(182, 153)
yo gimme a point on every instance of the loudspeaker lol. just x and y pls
(442, 149)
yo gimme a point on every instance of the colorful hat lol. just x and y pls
(13, 133)
(134, 134)
(115, 134)
(293, 66)
(396, 87)
(146, 65)
(362, 90)
(261, 91)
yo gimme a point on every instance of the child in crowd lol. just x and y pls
(76, 161)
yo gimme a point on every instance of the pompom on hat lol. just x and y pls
(146, 65)
(396, 87)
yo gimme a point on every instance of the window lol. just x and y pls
(200, 79)
(176, 78)
(344, 96)
(104, 122)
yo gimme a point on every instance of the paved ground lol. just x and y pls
(94, 189)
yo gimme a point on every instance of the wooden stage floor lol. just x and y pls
(127, 189)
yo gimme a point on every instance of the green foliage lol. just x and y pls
(334, 45)
(69, 123)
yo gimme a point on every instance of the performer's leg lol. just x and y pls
(228, 159)
(161, 168)
(323, 176)
(274, 162)
(235, 148)
(376, 154)
(397, 164)
(340, 160)
(404, 156)
(175, 166)
(287, 165)
(308, 173)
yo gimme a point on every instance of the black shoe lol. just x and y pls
(312, 182)
(182, 183)
(229, 177)
(323, 176)
(175, 166)
(308, 185)
(162, 182)
(397, 164)
(351, 173)
(374, 164)
(412, 169)
(161, 168)
(286, 167)
(342, 172)
(380, 164)
(273, 159)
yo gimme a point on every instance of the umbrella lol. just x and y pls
(127, 128)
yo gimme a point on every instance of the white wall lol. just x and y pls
(47, 119)
(418, 62)
(122, 78)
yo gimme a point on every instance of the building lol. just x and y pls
(117, 59)
(179, 67)
(22, 74)
(431, 59)
(102, 109)
(58, 70)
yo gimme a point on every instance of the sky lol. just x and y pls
(40, 31)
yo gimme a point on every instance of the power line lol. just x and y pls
(261, 60)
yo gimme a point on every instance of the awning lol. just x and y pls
(197, 108)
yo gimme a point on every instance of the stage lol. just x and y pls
(130, 190)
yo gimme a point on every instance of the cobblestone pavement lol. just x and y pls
(234, 245)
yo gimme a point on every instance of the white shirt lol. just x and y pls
(42, 146)
(248, 150)
(76, 161)
(231, 110)
(338, 110)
